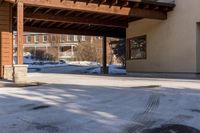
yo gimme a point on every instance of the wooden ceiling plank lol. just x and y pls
(25, 21)
(47, 11)
(82, 27)
(34, 22)
(44, 22)
(59, 11)
(59, 25)
(120, 33)
(88, 15)
(51, 24)
(36, 9)
(114, 17)
(68, 25)
(77, 20)
(92, 7)
(68, 13)
(78, 14)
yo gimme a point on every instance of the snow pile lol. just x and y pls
(63, 66)
(28, 60)
(83, 63)
(35, 64)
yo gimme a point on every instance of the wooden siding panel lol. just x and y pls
(6, 47)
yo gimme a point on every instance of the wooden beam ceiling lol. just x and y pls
(147, 13)
(86, 17)
(95, 8)
(78, 20)
(121, 33)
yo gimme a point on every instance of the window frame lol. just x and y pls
(83, 38)
(62, 38)
(129, 47)
(27, 39)
(53, 39)
(43, 40)
(68, 38)
(75, 38)
(35, 39)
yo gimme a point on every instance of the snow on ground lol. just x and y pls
(79, 69)
(83, 63)
(113, 69)
(70, 103)
(67, 66)
(75, 67)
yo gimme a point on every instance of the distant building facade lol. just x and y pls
(66, 43)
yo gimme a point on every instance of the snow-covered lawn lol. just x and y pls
(70, 103)
(63, 66)
(76, 67)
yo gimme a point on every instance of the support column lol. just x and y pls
(35, 50)
(104, 68)
(72, 50)
(20, 29)
(6, 41)
(20, 70)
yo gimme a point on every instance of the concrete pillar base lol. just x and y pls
(20, 74)
(104, 71)
(8, 72)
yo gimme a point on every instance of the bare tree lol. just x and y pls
(54, 40)
(87, 52)
(92, 51)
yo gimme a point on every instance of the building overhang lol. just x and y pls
(87, 17)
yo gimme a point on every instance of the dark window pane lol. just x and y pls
(138, 48)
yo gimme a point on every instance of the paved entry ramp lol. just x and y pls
(69, 103)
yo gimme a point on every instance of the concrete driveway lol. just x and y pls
(69, 103)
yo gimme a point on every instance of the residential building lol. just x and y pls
(66, 43)
(171, 46)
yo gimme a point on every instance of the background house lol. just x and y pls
(166, 46)
(61, 46)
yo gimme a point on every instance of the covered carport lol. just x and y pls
(106, 18)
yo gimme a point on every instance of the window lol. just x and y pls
(53, 38)
(62, 38)
(28, 39)
(137, 48)
(83, 38)
(68, 38)
(45, 38)
(36, 38)
(75, 38)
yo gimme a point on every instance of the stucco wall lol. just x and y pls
(171, 44)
